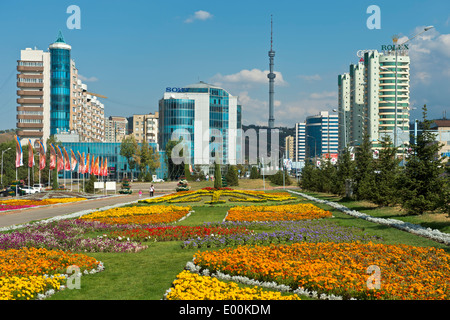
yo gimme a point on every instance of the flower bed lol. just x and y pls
(24, 202)
(139, 215)
(276, 213)
(407, 272)
(171, 233)
(29, 272)
(7, 207)
(67, 235)
(283, 232)
(217, 195)
(191, 286)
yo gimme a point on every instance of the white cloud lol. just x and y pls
(323, 95)
(309, 78)
(248, 77)
(199, 15)
(430, 70)
(286, 113)
(86, 79)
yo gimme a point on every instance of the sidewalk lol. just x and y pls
(37, 213)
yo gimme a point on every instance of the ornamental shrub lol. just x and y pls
(254, 174)
(217, 176)
(232, 176)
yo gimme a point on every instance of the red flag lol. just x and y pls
(30, 154)
(80, 160)
(87, 167)
(41, 156)
(91, 169)
(73, 160)
(97, 169)
(60, 159)
(52, 164)
(67, 160)
(105, 167)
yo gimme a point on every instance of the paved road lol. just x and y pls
(32, 214)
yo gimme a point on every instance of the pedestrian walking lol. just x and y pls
(140, 194)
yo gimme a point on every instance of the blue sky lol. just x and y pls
(130, 51)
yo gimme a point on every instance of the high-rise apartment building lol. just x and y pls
(289, 147)
(145, 127)
(87, 112)
(299, 142)
(116, 129)
(33, 103)
(375, 97)
(52, 99)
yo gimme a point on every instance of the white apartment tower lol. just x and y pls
(33, 102)
(375, 95)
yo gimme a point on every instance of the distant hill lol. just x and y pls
(7, 136)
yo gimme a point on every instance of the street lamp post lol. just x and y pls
(2, 165)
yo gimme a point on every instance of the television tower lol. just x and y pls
(271, 77)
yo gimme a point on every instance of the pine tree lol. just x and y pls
(217, 176)
(327, 176)
(387, 171)
(232, 176)
(345, 172)
(254, 174)
(364, 171)
(425, 188)
(308, 176)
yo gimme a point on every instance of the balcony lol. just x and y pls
(30, 84)
(26, 134)
(37, 93)
(30, 69)
(28, 101)
(30, 125)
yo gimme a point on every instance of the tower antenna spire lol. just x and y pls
(271, 32)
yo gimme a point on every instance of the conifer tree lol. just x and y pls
(364, 171)
(387, 171)
(425, 188)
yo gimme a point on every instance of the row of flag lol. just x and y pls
(60, 160)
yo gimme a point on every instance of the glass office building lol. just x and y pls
(60, 67)
(118, 167)
(207, 117)
(321, 135)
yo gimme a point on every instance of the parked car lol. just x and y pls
(39, 187)
(28, 190)
(158, 180)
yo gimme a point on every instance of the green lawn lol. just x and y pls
(146, 275)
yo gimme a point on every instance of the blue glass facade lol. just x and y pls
(60, 90)
(117, 164)
(203, 111)
(176, 114)
(321, 135)
(218, 118)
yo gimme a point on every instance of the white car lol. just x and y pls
(38, 187)
(158, 180)
(28, 190)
